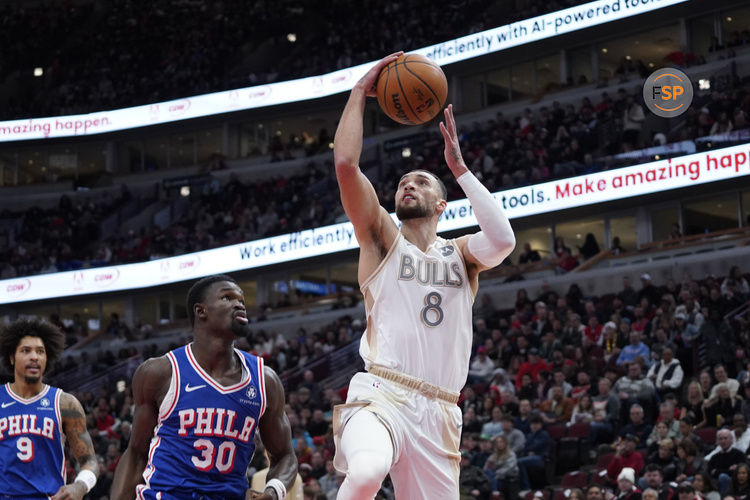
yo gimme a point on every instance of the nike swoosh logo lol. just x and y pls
(195, 387)
(5, 405)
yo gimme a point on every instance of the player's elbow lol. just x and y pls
(508, 244)
(344, 164)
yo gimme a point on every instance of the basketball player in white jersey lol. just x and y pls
(401, 415)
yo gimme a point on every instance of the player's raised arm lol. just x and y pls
(149, 382)
(357, 194)
(74, 427)
(490, 246)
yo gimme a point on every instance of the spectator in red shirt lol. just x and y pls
(592, 334)
(625, 456)
(533, 366)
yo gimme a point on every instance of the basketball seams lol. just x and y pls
(403, 93)
(415, 75)
(385, 86)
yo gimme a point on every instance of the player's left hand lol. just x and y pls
(370, 80)
(257, 495)
(452, 149)
(74, 491)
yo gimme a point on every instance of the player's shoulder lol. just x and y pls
(70, 406)
(151, 379)
(273, 384)
(154, 368)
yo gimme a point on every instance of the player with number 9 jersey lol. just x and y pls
(204, 436)
(32, 462)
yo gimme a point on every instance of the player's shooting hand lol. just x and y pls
(370, 80)
(452, 149)
(74, 491)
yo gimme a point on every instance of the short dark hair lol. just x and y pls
(441, 184)
(197, 292)
(597, 486)
(653, 468)
(52, 338)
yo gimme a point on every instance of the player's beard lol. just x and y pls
(31, 380)
(416, 211)
(239, 329)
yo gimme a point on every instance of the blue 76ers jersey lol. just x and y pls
(32, 461)
(203, 440)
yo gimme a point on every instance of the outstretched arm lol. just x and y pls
(357, 194)
(489, 247)
(74, 428)
(276, 434)
(149, 383)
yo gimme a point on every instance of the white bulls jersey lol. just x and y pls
(419, 318)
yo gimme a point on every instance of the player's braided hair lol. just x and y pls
(197, 292)
(11, 335)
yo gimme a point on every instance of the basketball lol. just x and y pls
(412, 89)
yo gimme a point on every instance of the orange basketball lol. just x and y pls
(412, 89)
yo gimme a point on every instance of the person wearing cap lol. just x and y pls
(633, 350)
(667, 374)
(501, 380)
(533, 366)
(626, 488)
(485, 450)
(536, 450)
(482, 367)
(625, 457)
(648, 290)
(472, 481)
(612, 341)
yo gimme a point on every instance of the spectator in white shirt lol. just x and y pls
(667, 374)
(482, 367)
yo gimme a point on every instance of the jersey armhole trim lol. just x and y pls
(60, 432)
(173, 393)
(472, 295)
(261, 387)
(391, 251)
